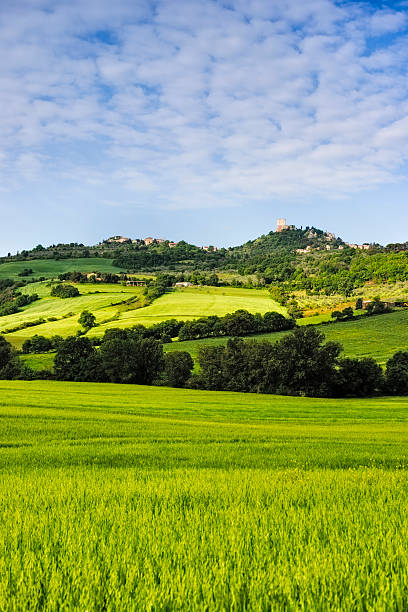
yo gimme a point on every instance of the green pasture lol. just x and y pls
(104, 300)
(39, 361)
(51, 268)
(194, 302)
(122, 497)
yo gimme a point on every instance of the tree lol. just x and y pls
(376, 306)
(294, 310)
(302, 364)
(239, 323)
(6, 352)
(278, 295)
(37, 344)
(76, 359)
(343, 315)
(178, 366)
(211, 375)
(87, 320)
(359, 377)
(64, 291)
(273, 321)
(396, 374)
(132, 360)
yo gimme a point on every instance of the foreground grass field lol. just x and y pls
(138, 498)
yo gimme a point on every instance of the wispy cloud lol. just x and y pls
(195, 103)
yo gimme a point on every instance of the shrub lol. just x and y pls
(87, 320)
(64, 291)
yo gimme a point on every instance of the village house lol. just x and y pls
(387, 305)
(119, 239)
(183, 284)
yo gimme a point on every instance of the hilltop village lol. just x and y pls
(331, 242)
(149, 241)
(331, 239)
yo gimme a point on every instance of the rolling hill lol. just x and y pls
(120, 306)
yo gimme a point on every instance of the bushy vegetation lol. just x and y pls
(11, 299)
(298, 364)
(64, 291)
(239, 323)
(40, 344)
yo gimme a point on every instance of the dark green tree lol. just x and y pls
(64, 291)
(76, 359)
(6, 352)
(132, 360)
(87, 320)
(303, 364)
(178, 366)
(359, 377)
(396, 374)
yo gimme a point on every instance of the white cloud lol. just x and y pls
(197, 103)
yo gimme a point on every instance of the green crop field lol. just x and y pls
(194, 302)
(141, 498)
(105, 302)
(50, 268)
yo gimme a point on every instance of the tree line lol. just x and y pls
(301, 363)
(238, 323)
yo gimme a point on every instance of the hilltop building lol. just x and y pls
(119, 239)
(281, 225)
(150, 240)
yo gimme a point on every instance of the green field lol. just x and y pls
(105, 302)
(140, 498)
(51, 268)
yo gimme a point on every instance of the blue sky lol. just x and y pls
(202, 120)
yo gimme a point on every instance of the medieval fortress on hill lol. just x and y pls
(330, 239)
(281, 226)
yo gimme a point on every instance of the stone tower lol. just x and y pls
(281, 225)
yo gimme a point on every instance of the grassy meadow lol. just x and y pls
(124, 497)
(108, 304)
(51, 268)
